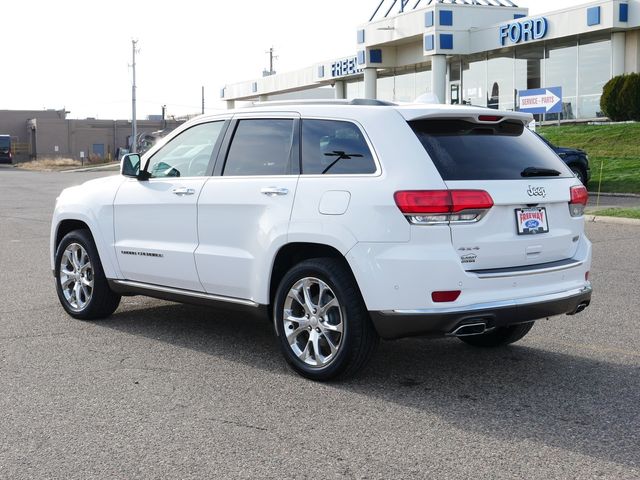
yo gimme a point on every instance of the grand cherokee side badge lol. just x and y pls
(469, 258)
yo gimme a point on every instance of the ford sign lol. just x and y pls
(516, 32)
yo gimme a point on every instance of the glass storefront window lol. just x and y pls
(561, 66)
(594, 70)
(474, 80)
(528, 69)
(500, 92)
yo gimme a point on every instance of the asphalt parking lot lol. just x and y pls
(163, 390)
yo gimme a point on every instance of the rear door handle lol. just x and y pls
(180, 191)
(273, 191)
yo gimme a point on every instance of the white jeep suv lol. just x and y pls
(342, 221)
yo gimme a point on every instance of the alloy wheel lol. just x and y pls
(76, 276)
(313, 322)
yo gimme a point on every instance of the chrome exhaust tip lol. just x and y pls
(469, 329)
(579, 308)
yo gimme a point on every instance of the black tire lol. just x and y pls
(103, 301)
(579, 173)
(499, 337)
(358, 339)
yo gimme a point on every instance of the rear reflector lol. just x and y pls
(445, 296)
(443, 206)
(579, 199)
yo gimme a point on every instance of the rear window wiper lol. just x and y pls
(539, 172)
(341, 155)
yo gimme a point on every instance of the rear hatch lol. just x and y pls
(530, 221)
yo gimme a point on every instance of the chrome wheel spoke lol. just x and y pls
(329, 305)
(306, 288)
(332, 346)
(332, 328)
(318, 358)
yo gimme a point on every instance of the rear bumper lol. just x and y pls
(438, 322)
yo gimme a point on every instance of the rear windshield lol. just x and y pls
(463, 150)
(5, 142)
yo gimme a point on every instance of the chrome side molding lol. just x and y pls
(185, 293)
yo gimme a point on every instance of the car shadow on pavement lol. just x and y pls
(521, 392)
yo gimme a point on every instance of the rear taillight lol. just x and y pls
(428, 207)
(579, 198)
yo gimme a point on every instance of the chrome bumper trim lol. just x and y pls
(550, 297)
(502, 273)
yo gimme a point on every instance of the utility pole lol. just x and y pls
(272, 57)
(134, 126)
(203, 99)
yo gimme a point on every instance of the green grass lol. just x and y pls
(615, 148)
(618, 212)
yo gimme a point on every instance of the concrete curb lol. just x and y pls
(613, 220)
(94, 168)
(605, 194)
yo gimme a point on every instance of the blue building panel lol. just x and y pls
(321, 71)
(428, 43)
(428, 19)
(624, 12)
(360, 36)
(375, 55)
(516, 16)
(446, 41)
(222, 93)
(593, 16)
(446, 18)
(254, 87)
(361, 57)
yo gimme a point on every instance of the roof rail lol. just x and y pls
(355, 101)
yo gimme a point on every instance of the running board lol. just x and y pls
(176, 294)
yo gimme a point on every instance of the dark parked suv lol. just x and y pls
(6, 155)
(576, 159)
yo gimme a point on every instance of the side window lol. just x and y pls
(260, 147)
(188, 154)
(334, 147)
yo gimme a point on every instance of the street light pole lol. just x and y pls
(134, 126)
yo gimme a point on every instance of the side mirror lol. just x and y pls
(130, 165)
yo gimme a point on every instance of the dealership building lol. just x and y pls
(482, 52)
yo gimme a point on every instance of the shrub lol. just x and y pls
(610, 99)
(629, 99)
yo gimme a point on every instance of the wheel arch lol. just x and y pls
(69, 225)
(293, 253)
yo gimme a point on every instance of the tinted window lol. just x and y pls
(188, 154)
(468, 151)
(260, 147)
(333, 147)
(5, 142)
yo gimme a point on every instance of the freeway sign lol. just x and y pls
(541, 100)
